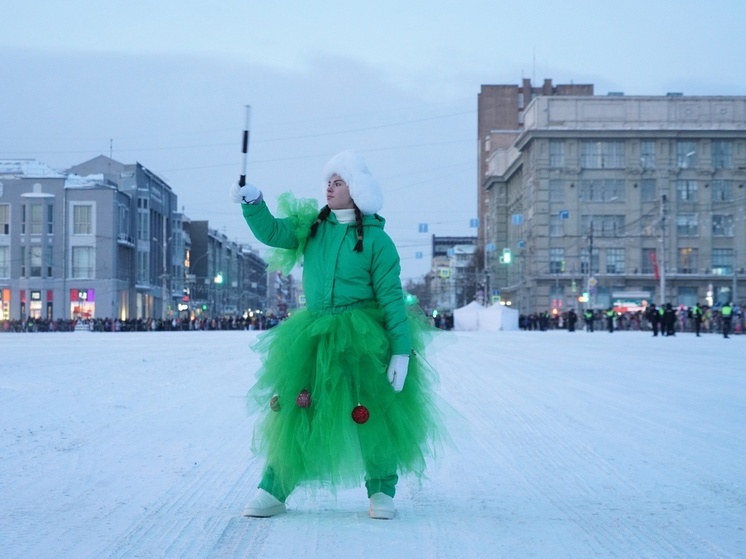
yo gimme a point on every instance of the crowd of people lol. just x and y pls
(665, 320)
(258, 322)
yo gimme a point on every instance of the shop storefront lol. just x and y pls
(83, 303)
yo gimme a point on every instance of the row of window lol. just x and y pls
(614, 190)
(610, 154)
(36, 216)
(687, 225)
(38, 262)
(687, 261)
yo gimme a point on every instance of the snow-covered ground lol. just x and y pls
(569, 445)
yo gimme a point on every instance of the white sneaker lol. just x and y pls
(263, 505)
(382, 506)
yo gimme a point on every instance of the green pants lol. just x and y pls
(279, 490)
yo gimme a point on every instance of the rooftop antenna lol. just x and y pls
(111, 148)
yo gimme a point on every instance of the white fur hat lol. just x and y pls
(352, 169)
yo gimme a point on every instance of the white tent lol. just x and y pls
(497, 317)
(467, 317)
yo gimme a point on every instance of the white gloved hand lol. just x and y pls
(246, 194)
(397, 373)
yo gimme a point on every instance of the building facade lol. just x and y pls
(500, 120)
(628, 200)
(105, 240)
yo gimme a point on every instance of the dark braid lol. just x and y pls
(359, 222)
(323, 214)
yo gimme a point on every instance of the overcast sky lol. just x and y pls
(165, 84)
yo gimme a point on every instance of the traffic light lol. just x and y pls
(506, 257)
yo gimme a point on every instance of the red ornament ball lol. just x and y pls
(304, 399)
(274, 403)
(360, 414)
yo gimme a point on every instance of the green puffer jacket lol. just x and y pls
(334, 275)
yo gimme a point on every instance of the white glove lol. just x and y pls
(397, 373)
(246, 194)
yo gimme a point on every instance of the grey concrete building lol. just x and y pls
(66, 244)
(500, 119)
(105, 240)
(631, 200)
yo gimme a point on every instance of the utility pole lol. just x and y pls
(662, 254)
(164, 277)
(734, 294)
(590, 288)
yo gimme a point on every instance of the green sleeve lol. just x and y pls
(268, 229)
(387, 288)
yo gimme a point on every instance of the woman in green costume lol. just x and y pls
(345, 391)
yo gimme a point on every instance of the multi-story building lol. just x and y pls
(66, 244)
(500, 120)
(223, 278)
(153, 218)
(104, 239)
(453, 280)
(629, 199)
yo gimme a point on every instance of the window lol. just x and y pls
(649, 260)
(722, 191)
(124, 222)
(615, 261)
(83, 258)
(607, 190)
(722, 225)
(584, 261)
(35, 222)
(686, 191)
(50, 219)
(647, 154)
(82, 220)
(143, 226)
(556, 226)
(687, 225)
(4, 219)
(143, 267)
(556, 154)
(556, 191)
(688, 261)
(722, 261)
(48, 260)
(722, 154)
(686, 154)
(4, 261)
(649, 190)
(556, 260)
(602, 225)
(35, 262)
(602, 155)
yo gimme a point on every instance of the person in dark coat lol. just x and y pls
(669, 320)
(572, 319)
(653, 317)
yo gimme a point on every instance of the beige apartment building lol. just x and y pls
(629, 200)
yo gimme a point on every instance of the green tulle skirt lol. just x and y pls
(340, 359)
